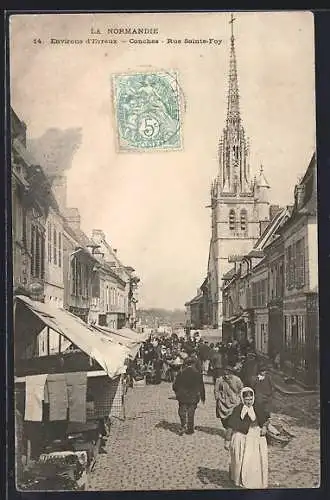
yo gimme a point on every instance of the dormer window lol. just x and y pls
(232, 220)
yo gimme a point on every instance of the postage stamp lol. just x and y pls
(147, 110)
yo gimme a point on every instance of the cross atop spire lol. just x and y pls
(233, 146)
(233, 113)
(232, 19)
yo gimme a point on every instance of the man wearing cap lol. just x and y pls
(189, 390)
(191, 352)
(263, 387)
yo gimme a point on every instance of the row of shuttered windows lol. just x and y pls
(54, 239)
(295, 264)
(54, 242)
(257, 295)
(295, 337)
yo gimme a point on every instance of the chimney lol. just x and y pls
(299, 195)
(59, 187)
(273, 210)
(72, 216)
(98, 235)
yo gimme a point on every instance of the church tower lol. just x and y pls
(239, 204)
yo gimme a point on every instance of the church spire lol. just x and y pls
(234, 175)
(233, 113)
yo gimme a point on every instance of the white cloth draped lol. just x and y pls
(248, 410)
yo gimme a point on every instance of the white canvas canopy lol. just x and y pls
(115, 336)
(110, 355)
(126, 334)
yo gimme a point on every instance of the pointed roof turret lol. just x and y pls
(262, 181)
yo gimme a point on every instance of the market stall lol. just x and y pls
(64, 400)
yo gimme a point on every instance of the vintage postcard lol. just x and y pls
(164, 229)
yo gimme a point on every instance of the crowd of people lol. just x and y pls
(243, 394)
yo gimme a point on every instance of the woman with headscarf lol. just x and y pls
(246, 441)
(227, 389)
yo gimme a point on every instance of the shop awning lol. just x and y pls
(127, 333)
(110, 355)
(117, 337)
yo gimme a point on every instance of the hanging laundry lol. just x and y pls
(58, 397)
(34, 390)
(77, 392)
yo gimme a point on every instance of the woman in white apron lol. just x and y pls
(246, 442)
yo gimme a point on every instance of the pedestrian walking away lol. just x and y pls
(247, 444)
(204, 354)
(217, 362)
(249, 369)
(189, 390)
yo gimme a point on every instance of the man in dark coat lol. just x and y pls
(217, 364)
(249, 369)
(191, 351)
(263, 387)
(232, 353)
(189, 390)
(204, 354)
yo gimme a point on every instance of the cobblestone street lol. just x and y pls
(145, 452)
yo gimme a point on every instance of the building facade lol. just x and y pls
(246, 287)
(300, 302)
(53, 256)
(271, 294)
(54, 278)
(259, 301)
(32, 201)
(195, 311)
(275, 263)
(119, 289)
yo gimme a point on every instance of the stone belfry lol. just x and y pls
(239, 205)
(234, 176)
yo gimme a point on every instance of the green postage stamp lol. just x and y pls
(147, 109)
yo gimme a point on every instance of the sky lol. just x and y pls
(152, 206)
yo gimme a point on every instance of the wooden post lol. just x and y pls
(48, 349)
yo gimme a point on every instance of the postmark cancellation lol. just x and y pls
(147, 111)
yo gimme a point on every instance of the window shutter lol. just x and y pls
(302, 262)
(243, 220)
(42, 261)
(232, 220)
(32, 250)
(55, 246)
(37, 253)
(60, 249)
(49, 242)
